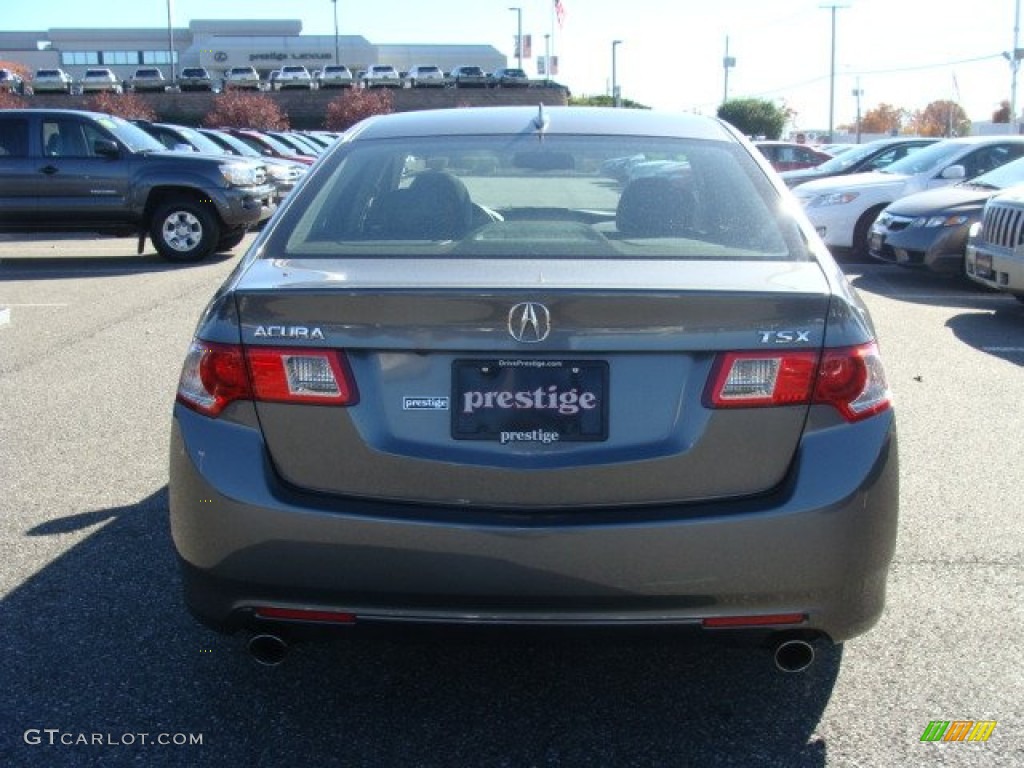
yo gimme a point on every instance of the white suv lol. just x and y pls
(51, 81)
(241, 78)
(425, 77)
(293, 77)
(100, 79)
(382, 76)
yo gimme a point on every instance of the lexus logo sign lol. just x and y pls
(529, 322)
(220, 56)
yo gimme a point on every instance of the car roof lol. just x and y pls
(559, 120)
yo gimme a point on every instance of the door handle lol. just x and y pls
(49, 170)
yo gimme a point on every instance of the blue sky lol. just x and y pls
(904, 52)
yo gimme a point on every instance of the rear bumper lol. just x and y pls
(820, 546)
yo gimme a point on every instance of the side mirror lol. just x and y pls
(953, 172)
(106, 148)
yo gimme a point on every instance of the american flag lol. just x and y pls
(560, 13)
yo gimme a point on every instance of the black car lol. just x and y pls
(929, 229)
(872, 156)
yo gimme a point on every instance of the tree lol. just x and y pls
(604, 101)
(885, 118)
(355, 104)
(755, 117)
(246, 110)
(941, 118)
(19, 69)
(126, 105)
(1002, 115)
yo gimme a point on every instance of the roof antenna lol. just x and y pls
(542, 121)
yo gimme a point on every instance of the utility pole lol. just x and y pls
(337, 52)
(170, 44)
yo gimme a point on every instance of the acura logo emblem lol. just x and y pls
(529, 322)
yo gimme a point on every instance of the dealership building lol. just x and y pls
(220, 44)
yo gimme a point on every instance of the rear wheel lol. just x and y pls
(184, 230)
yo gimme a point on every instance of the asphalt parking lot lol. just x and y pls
(102, 664)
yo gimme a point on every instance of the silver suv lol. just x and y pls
(995, 249)
(100, 79)
(52, 81)
(335, 76)
(147, 79)
(382, 76)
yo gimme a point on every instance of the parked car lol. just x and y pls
(872, 156)
(790, 156)
(468, 77)
(297, 142)
(11, 81)
(995, 248)
(147, 79)
(283, 173)
(335, 76)
(76, 171)
(52, 81)
(382, 76)
(99, 80)
(425, 76)
(929, 229)
(293, 76)
(434, 394)
(508, 77)
(195, 79)
(269, 146)
(843, 208)
(242, 79)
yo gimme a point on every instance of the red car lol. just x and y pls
(790, 156)
(268, 145)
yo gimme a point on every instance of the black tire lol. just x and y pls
(1019, 297)
(859, 247)
(230, 240)
(184, 230)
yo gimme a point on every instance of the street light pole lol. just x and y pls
(519, 36)
(337, 53)
(857, 93)
(832, 72)
(615, 77)
(170, 43)
(728, 62)
(547, 58)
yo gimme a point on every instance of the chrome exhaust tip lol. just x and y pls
(268, 650)
(793, 655)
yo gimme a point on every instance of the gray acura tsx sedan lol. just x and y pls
(466, 375)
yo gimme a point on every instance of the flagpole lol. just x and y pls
(551, 10)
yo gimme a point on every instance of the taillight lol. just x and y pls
(851, 379)
(214, 375)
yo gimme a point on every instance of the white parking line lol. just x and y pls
(1004, 350)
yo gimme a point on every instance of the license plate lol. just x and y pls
(520, 400)
(983, 265)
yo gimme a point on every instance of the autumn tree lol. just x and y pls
(941, 118)
(755, 117)
(355, 104)
(1002, 115)
(236, 109)
(126, 105)
(19, 69)
(885, 118)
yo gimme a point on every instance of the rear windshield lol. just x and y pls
(47, 73)
(517, 197)
(194, 73)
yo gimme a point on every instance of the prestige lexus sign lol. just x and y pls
(294, 56)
